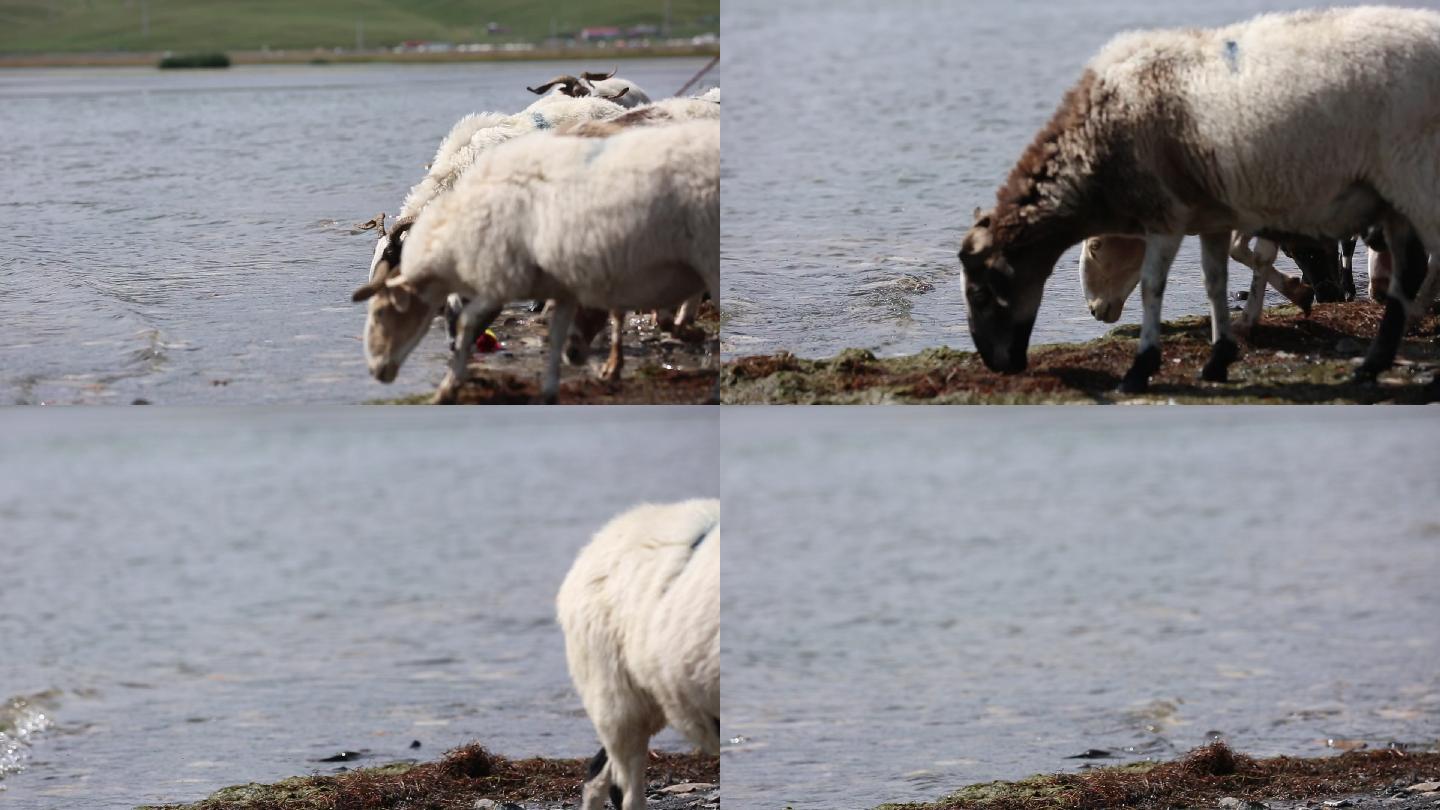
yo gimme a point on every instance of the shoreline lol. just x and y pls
(1289, 358)
(660, 369)
(322, 57)
(1217, 776)
(464, 778)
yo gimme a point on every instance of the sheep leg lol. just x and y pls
(562, 313)
(616, 360)
(1408, 270)
(1214, 261)
(599, 785)
(454, 304)
(1160, 250)
(1347, 267)
(627, 770)
(473, 317)
(1240, 252)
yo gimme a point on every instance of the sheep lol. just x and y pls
(627, 222)
(640, 611)
(1250, 126)
(587, 324)
(713, 94)
(603, 85)
(468, 139)
(1110, 271)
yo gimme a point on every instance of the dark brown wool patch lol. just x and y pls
(1038, 165)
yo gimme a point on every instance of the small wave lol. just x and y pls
(21, 719)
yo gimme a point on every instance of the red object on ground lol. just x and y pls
(487, 342)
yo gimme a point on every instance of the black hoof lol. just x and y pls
(1222, 354)
(1137, 379)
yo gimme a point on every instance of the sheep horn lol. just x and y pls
(622, 92)
(570, 82)
(599, 77)
(377, 222)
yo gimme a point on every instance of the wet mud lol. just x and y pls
(1217, 776)
(1289, 359)
(466, 778)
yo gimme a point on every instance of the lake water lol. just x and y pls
(186, 236)
(198, 598)
(861, 136)
(968, 596)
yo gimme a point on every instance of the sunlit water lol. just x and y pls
(195, 599)
(918, 601)
(186, 236)
(861, 136)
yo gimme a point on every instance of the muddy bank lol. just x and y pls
(468, 777)
(1216, 776)
(1289, 359)
(659, 368)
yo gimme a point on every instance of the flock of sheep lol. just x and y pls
(1303, 128)
(593, 198)
(640, 610)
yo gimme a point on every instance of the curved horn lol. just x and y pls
(599, 77)
(376, 222)
(622, 92)
(570, 82)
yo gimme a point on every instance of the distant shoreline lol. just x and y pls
(319, 57)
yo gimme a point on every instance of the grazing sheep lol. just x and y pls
(1110, 271)
(1250, 127)
(640, 610)
(602, 85)
(468, 139)
(586, 323)
(626, 222)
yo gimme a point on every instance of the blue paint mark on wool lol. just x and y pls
(1232, 54)
(541, 122)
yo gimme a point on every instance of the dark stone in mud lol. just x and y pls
(414, 743)
(343, 756)
(1092, 753)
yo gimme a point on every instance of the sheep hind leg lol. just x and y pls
(474, 316)
(1347, 268)
(1410, 265)
(1214, 261)
(599, 785)
(560, 317)
(1160, 250)
(610, 372)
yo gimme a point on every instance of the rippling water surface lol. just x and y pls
(186, 236)
(861, 136)
(968, 596)
(195, 599)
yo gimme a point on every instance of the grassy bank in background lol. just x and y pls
(600, 56)
(55, 26)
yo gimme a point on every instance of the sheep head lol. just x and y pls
(1109, 272)
(569, 85)
(1002, 294)
(400, 309)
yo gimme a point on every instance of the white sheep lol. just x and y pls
(470, 137)
(626, 222)
(603, 85)
(640, 610)
(1242, 128)
(586, 323)
(1110, 271)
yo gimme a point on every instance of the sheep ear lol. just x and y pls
(369, 290)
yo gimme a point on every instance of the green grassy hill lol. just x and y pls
(31, 26)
